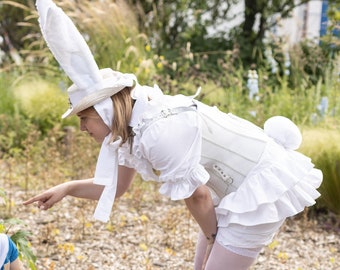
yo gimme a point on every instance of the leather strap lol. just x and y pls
(165, 113)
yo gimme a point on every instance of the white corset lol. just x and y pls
(231, 147)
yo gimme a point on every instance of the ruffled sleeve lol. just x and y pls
(172, 145)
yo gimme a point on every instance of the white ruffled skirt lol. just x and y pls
(281, 185)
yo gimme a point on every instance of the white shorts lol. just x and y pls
(247, 252)
(236, 236)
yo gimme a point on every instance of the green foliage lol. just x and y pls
(27, 104)
(42, 102)
(310, 62)
(111, 31)
(11, 15)
(14, 125)
(19, 237)
(7, 99)
(14, 129)
(322, 145)
(332, 37)
(170, 25)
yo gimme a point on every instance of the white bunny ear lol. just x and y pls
(67, 45)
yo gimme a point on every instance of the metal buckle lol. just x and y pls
(165, 113)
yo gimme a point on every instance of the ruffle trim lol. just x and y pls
(133, 158)
(175, 187)
(178, 188)
(272, 194)
(136, 161)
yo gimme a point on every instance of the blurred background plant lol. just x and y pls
(13, 228)
(155, 41)
(322, 144)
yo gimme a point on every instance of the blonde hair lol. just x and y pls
(122, 104)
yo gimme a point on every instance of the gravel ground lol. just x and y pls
(159, 235)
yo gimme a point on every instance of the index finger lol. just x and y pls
(41, 197)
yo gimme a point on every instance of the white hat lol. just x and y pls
(112, 83)
(91, 87)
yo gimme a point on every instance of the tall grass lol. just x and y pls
(7, 99)
(322, 144)
(111, 30)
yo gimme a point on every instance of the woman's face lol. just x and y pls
(91, 122)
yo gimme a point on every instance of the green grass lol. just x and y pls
(322, 145)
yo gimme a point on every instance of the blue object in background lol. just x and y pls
(324, 19)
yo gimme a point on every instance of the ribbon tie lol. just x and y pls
(107, 175)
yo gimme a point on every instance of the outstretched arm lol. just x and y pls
(81, 189)
(77, 188)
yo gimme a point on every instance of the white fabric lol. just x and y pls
(246, 252)
(105, 111)
(283, 131)
(112, 82)
(229, 150)
(264, 183)
(171, 145)
(257, 236)
(4, 245)
(107, 174)
(107, 164)
(177, 160)
(68, 45)
(280, 184)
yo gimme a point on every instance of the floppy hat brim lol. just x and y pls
(92, 100)
(108, 87)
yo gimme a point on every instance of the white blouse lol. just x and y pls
(170, 145)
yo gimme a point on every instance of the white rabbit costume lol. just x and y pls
(255, 182)
(256, 177)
